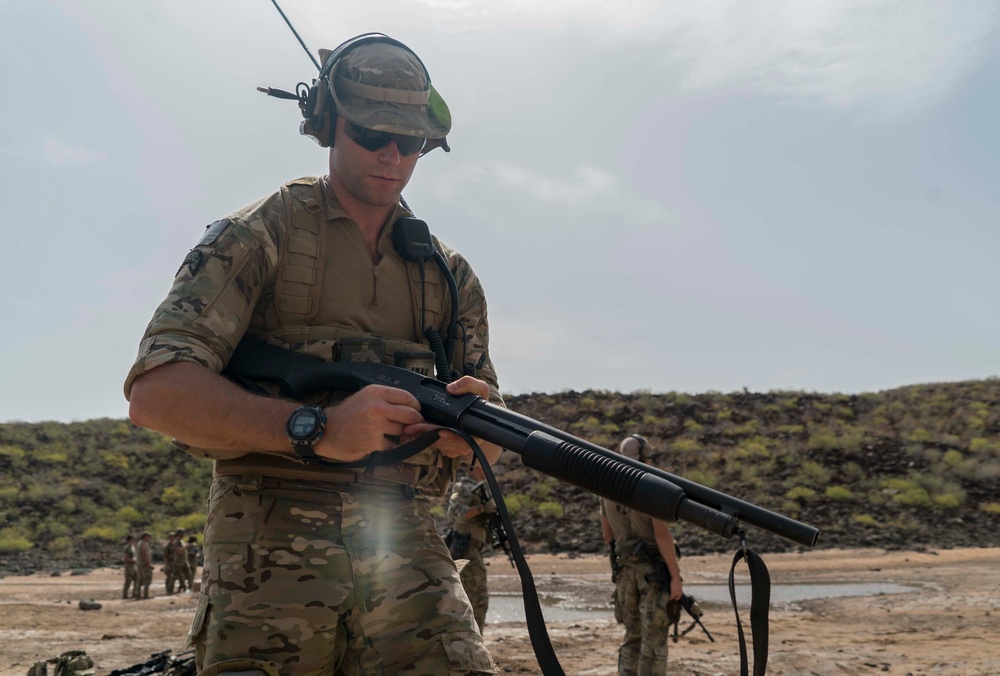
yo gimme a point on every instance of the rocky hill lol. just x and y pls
(913, 467)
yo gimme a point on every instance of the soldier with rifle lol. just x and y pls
(321, 551)
(646, 602)
(470, 511)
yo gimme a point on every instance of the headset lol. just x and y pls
(319, 112)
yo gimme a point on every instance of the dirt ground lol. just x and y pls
(949, 624)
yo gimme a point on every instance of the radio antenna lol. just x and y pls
(296, 34)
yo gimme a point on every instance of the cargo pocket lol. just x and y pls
(198, 623)
(467, 654)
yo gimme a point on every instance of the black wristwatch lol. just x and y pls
(304, 429)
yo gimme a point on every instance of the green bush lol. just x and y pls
(864, 520)
(128, 514)
(801, 493)
(516, 502)
(14, 544)
(991, 508)
(61, 547)
(947, 501)
(550, 509)
(839, 493)
(108, 533)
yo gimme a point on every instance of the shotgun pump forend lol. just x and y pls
(544, 448)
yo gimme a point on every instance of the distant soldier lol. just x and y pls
(144, 564)
(131, 574)
(191, 554)
(168, 563)
(469, 509)
(182, 573)
(647, 579)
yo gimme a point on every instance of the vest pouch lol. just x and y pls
(419, 362)
(360, 350)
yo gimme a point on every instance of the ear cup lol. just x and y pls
(319, 122)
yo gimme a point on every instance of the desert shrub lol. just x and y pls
(692, 426)
(517, 502)
(61, 547)
(702, 477)
(550, 509)
(13, 540)
(11, 452)
(813, 474)
(114, 460)
(610, 428)
(864, 520)
(839, 493)
(688, 446)
(991, 508)
(919, 435)
(128, 514)
(801, 493)
(110, 533)
(947, 501)
(8, 492)
(952, 458)
(823, 440)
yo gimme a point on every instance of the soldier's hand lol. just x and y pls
(371, 419)
(676, 589)
(449, 443)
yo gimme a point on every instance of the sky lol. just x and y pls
(657, 196)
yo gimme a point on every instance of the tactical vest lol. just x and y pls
(297, 313)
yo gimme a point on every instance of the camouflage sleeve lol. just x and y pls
(474, 352)
(462, 499)
(214, 292)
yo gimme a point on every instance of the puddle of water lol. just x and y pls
(511, 608)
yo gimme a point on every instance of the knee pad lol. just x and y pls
(244, 666)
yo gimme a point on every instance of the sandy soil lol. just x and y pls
(949, 624)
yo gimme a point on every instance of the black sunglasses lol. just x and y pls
(372, 140)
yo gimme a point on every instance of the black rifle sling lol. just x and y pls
(760, 601)
(545, 654)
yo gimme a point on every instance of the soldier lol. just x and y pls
(168, 564)
(131, 575)
(144, 565)
(191, 554)
(642, 547)
(313, 566)
(469, 509)
(182, 573)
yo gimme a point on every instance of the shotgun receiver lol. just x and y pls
(546, 449)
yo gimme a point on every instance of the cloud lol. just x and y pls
(59, 155)
(890, 54)
(585, 187)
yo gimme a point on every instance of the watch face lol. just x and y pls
(302, 424)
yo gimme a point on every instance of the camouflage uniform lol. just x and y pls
(644, 607)
(463, 497)
(131, 575)
(311, 569)
(168, 565)
(179, 560)
(191, 554)
(144, 565)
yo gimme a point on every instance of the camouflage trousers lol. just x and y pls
(142, 584)
(308, 578)
(474, 582)
(131, 580)
(643, 608)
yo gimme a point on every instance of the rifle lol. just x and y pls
(494, 525)
(161, 663)
(694, 610)
(551, 451)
